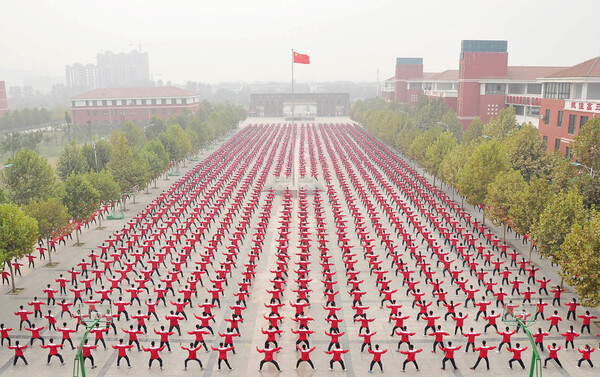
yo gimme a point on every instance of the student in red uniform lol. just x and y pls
(164, 337)
(23, 316)
(268, 357)
(4, 334)
(305, 355)
(87, 353)
(192, 350)
(570, 335)
(337, 356)
(483, 354)
(449, 356)
(18, 352)
(133, 336)
(53, 351)
(553, 355)
(517, 351)
(66, 335)
(222, 354)
(585, 356)
(122, 352)
(154, 354)
(35, 334)
(410, 356)
(376, 357)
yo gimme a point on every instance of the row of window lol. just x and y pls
(572, 121)
(133, 112)
(132, 102)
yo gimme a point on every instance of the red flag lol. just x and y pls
(301, 58)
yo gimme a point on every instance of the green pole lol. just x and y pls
(534, 370)
(79, 354)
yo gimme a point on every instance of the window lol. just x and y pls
(173, 101)
(114, 102)
(105, 113)
(495, 88)
(115, 113)
(153, 110)
(556, 145)
(558, 90)
(143, 102)
(87, 112)
(568, 153)
(174, 111)
(184, 101)
(519, 109)
(154, 101)
(532, 111)
(164, 111)
(534, 88)
(517, 88)
(94, 103)
(547, 117)
(560, 119)
(133, 112)
(572, 124)
(163, 101)
(95, 112)
(144, 111)
(593, 91)
(582, 121)
(104, 102)
(545, 140)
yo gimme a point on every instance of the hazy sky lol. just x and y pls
(244, 40)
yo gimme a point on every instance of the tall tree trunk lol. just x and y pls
(12, 277)
(504, 236)
(49, 252)
(100, 217)
(76, 236)
(483, 212)
(530, 249)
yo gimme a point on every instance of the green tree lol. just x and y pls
(71, 160)
(421, 143)
(500, 194)
(18, 234)
(436, 152)
(157, 157)
(586, 145)
(526, 152)
(108, 189)
(504, 125)
(528, 204)
(134, 135)
(29, 177)
(581, 260)
(561, 213)
(487, 160)
(102, 155)
(126, 170)
(52, 217)
(80, 198)
(474, 131)
(452, 164)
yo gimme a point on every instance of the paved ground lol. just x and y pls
(247, 359)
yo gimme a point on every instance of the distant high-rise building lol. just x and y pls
(123, 70)
(82, 76)
(3, 100)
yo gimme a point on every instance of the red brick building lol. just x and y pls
(117, 105)
(3, 99)
(570, 98)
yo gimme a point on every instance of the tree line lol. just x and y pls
(505, 169)
(38, 203)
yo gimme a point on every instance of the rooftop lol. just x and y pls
(148, 92)
(589, 68)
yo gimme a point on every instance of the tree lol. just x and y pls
(52, 218)
(561, 213)
(500, 196)
(126, 170)
(71, 160)
(29, 177)
(421, 143)
(474, 131)
(18, 234)
(157, 157)
(436, 152)
(12, 143)
(134, 135)
(487, 160)
(586, 145)
(102, 154)
(452, 164)
(581, 260)
(503, 125)
(526, 152)
(528, 204)
(80, 198)
(108, 189)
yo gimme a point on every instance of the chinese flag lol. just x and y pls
(301, 58)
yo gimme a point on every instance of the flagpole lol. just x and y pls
(293, 170)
